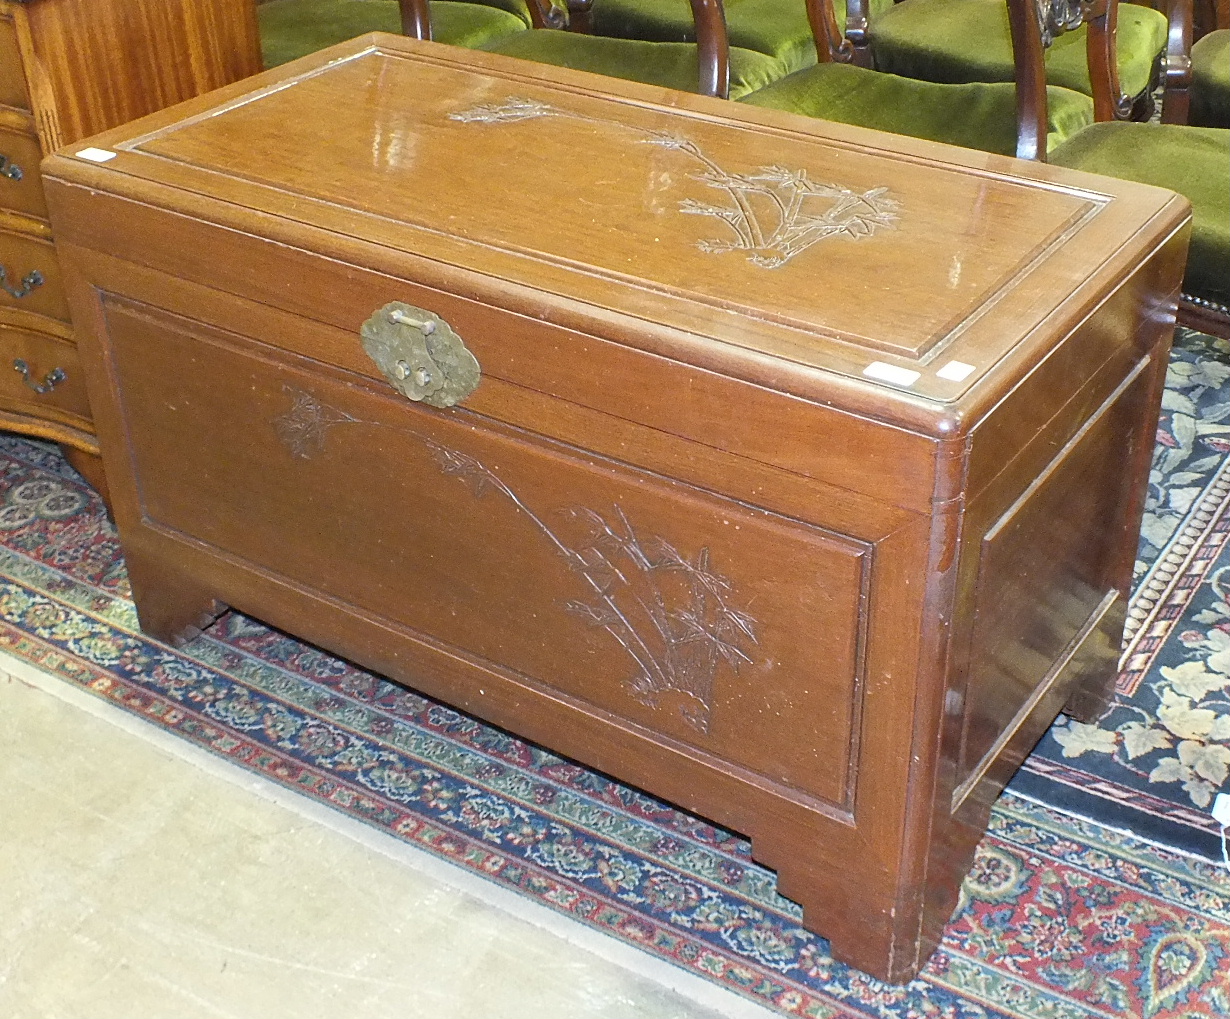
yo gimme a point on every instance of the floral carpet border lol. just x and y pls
(1163, 596)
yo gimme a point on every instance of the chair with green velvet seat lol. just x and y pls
(1210, 80)
(956, 41)
(1194, 161)
(974, 115)
(294, 28)
(776, 27)
(709, 65)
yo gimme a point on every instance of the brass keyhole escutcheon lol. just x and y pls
(420, 355)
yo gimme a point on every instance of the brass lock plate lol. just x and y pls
(420, 355)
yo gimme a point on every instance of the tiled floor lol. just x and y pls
(140, 877)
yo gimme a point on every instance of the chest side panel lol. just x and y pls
(1050, 572)
(1054, 523)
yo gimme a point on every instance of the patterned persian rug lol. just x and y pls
(1061, 917)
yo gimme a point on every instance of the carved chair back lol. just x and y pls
(1101, 17)
(1035, 23)
(1053, 16)
(712, 40)
(1026, 20)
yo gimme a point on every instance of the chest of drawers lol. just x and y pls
(71, 68)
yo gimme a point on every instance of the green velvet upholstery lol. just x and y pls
(294, 28)
(776, 27)
(1210, 91)
(517, 7)
(969, 40)
(1194, 161)
(976, 116)
(672, 64)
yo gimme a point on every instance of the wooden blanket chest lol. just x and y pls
(789, 471)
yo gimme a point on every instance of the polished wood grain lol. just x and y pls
(13, 90)
(70, 68)
(92, 64)
(814, 542)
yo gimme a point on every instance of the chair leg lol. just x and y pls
(1109, 102)
(1177, 64)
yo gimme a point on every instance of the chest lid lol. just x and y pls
(895, 267)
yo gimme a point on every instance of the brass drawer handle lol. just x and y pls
(10, 169)
(421, 356)
(52, 379)
(30, 281)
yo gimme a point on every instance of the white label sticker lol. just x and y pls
(891, 373)
(956, 371)
(96, 155)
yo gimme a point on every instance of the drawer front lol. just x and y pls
(21, 184)
(13, 91)
(31, 276)
(732, 630)
(51, 384)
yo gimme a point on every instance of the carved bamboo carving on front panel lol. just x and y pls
(303, 428)
(670, 613)
(775, 213)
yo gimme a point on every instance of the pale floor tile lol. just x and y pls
(136, 883)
